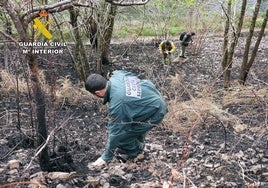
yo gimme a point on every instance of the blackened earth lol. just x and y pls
(209, 152)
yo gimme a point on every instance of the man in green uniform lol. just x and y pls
(135, 107)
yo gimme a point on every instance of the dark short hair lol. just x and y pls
(95, 82)
(168, 43)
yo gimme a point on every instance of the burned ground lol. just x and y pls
(212, 137)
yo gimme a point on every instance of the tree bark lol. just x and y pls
(21, 28)
(226, 34)
(81, 65)
(246, 64)
(108, 34)
(227, 25)
(21, 21)
(41, 111)
(100, 28)
(125, 3)
(227, 61)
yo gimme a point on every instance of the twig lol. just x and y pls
(7, 154)
(122, 3)
(22, 183)
(243, 174)
(243, 171)
(185, 177)
(225, 133)
(186, 147)
(135, 39)
(47, 140)
(9, 37)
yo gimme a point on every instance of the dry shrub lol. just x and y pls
(68, 91)
(175, 80)
(183, 115)
(253, 105)
(9, 82)
(245, 95)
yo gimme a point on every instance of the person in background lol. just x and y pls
(135, 107)
(186, 39)
(167, 47)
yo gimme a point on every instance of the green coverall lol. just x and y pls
(135, 107)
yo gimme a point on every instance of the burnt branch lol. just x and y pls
(16, 20)
(127, 2)
(9, 37)
(57, 7)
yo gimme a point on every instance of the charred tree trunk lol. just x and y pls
(21, 19)
(246, 64)
(41, 111)
(81, 64)
(21, 28)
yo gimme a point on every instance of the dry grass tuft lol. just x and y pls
(71, 93)
(66, 91)
(175, 80)
(245, 95)
(183, 115)
(9, 82)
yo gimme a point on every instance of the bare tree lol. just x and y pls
(227, 28)
(21, 19)
(229, 45)
(80, 58)
(248, 62)
(227, 59)
(105, 24)
(100, 26)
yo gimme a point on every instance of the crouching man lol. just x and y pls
(167, 48)
(135, 107)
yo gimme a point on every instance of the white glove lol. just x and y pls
(99, 162)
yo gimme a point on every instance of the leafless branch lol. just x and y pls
(48, 139)
(127, 2)
(13, 14)
(15, 184)
(11, 151)
(57, 7)
(9, 37)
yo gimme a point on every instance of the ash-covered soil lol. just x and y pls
(212, 137)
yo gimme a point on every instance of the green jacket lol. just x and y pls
(135, 106)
